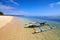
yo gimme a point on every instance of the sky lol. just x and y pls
(30, 7)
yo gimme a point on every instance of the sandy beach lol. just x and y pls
(12, 28)
(4, 20)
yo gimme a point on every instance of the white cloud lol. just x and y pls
(58, 3)
(5, 7)
(11, 10)
(12, 1)
(53, 4)
(16, 12)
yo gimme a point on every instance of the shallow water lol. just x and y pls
(50, 35)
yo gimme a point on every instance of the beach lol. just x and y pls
(4, 20)
(12, 28)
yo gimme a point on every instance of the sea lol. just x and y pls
(49, 21)
(56, 31)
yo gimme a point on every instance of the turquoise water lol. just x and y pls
(56, 23)
(51, 33)
(48, 21)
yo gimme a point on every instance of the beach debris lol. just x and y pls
(44, 30)
(40, 26)
(31, 25)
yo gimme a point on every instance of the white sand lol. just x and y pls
(14, 30)
(4, 20)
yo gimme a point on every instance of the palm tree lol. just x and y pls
(1, 13)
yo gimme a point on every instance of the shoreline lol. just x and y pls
(14, 30)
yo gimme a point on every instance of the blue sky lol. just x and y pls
(30, 7)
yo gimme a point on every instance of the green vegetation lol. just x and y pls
(1, 13)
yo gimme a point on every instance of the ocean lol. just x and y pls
(51, 21)
(55, 33)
